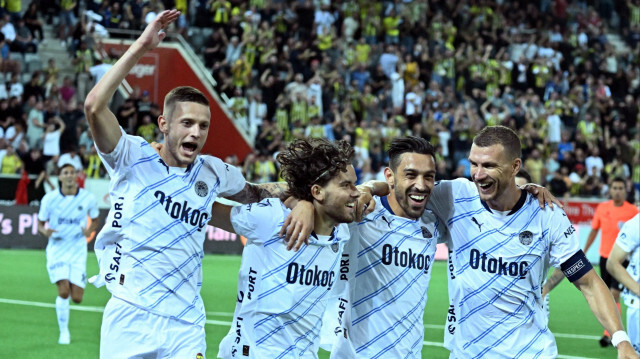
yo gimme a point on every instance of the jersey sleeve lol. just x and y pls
(564, 242)
(43, 212)
(93, 211)
(123, 154)
(629, 237)
(231, 179)
(596, 221)
(258, 221)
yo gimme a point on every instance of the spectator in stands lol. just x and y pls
(71, 157)
(11, 163)
(51, 138)
(33, 23)
(67, 20)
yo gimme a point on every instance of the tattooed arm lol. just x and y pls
(554, 279)
(252, 192)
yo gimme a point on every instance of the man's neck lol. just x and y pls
(507, 200)
(322, 224)
(395, 206)
(69, 190)
(618, 203)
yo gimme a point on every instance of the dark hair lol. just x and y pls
(311, 161)
(524, 174)
(408, 144)
(619, 179)
(183, 94)
(500, 135)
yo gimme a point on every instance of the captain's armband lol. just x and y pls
(576, 266)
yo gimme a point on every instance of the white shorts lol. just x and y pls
(633, 327)
(76, 273)
(132, 332)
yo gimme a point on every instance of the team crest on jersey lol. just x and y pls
(526, 238)
(426, 233)
(335, 247)
(201, 188)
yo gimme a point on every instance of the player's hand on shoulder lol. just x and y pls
(543, 195)
(298, 225)
(156, 146)
(365, 205)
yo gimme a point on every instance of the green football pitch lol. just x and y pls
(28, 326)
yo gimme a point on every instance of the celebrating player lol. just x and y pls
(502, 244)
(66, 211)
(627, 245)
(150, 250)
(282, 294)
(380, 312)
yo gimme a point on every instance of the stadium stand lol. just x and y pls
(564, 74)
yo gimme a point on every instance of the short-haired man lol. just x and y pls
(66, 211)
(609, 217)
(501, 246)
(150, 249)
(282, 295)
(627, 245)
(387, 264)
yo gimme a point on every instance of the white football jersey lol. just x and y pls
(379, 314)
(629, 241)
(497, 264)
(67, 215)
(282, 294)
(150, 249)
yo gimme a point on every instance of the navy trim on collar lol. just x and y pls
(331, 236)
(516, 208)
(385, 204)
(60, 190)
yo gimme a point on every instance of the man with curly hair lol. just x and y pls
(282, 294)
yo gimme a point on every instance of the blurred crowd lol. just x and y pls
(565, 74)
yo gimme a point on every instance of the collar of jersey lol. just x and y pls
(519, 204)
(332, 236)
(63, 195)
(189, 166)
(385, 204)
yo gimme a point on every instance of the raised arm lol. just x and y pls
(103, 123)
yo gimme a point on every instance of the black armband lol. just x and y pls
(576, 266)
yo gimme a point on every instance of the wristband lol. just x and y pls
(618, 337)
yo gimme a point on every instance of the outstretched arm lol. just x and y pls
(604, 308)
(103, 123)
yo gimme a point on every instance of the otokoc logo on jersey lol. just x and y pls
(182, 211)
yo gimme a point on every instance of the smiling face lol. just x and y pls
(185, 128)
(338, 197)
(494, 172)
(67, 177)
(411, 184)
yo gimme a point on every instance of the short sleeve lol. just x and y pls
(259, 222)
(43, 213)
(231, 179)
(564, 242)
(629, 236)
(122, 155)
(595, 222)
(94, 212)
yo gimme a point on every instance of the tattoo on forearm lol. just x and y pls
(555, 278)
(257, 192)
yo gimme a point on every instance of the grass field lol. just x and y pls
(28, 326)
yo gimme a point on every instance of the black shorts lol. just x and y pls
(607, 277)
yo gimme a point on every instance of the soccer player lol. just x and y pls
(609, 217)
(501, 246)
(627, 245)
(387, 264)
(150, 249)
(282, 295)
(66, 211)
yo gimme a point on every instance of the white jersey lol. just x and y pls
(150, 249)
(629, 241)
(282, 294)
(497, 264)
(67, 215)
(380, 314)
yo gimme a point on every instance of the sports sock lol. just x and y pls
(62, 310)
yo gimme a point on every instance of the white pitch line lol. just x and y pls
(85, 308)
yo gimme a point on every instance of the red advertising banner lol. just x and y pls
(165, 68)
(581, 211)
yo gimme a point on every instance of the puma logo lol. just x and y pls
(388, 221)
(477, 223)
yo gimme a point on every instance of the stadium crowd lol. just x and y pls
(365, 71)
